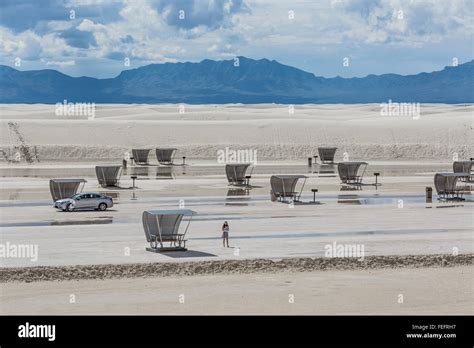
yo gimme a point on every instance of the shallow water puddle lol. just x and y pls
(355, 199)
(338, 233)
(155, 170)
(97, 221)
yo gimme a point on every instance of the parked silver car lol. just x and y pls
(85, 201)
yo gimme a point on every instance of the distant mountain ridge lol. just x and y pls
(253, 81)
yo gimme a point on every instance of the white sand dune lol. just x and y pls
(202, 130)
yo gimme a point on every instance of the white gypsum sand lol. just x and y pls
(424, 291)
(202, 130)
(392, 221)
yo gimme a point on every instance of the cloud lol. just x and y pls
(189, 14)
(78, 38)
(409, 22)
(28, 14)
(61, 64)
(26, 46)
(127, 39)
(151, 31)
(115, 55)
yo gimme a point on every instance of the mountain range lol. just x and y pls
(252, 81)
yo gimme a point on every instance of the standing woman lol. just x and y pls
(225, 234)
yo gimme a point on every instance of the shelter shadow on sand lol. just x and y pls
(187, 253)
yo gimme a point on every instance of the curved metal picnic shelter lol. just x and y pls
(463, 166)
(466, 168)
(165, 155)
(351, 173)
(140, 156)
(446, 185)
(163, 226)
(284, 186)
(108, 175)
(65, 188)
(326, 154)
(236, 173)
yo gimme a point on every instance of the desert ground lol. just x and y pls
(422, 290)
(393, 219)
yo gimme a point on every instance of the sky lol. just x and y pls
(101, 38)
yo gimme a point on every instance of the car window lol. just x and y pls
(96, 196)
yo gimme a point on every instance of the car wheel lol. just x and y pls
(102, 206)
(70, 207)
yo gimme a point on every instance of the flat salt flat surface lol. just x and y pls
(393, 219)
(425, 291)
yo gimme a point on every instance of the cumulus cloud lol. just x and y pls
(26, 45)
(60, 63)
(23, 15)
(78, 38)
(151, 31)
(189, 14)
(28, 14)
(407, 21)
